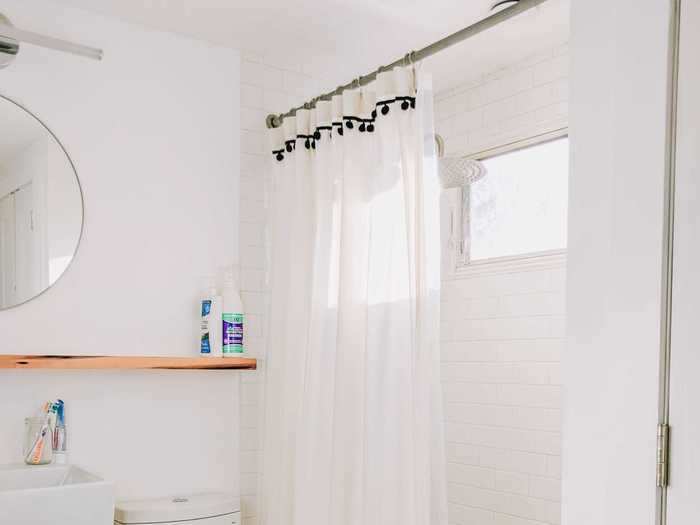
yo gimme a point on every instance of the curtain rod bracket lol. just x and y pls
(273, 121)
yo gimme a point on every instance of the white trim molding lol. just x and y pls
(518, 263)
(533, 140)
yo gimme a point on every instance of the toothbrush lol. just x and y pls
(38, 448)
(59, 432)
(34, 455)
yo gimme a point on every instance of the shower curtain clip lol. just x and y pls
(409, 59)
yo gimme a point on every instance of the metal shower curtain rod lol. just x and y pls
(275, 121)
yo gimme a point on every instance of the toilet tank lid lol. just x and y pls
(178, 508)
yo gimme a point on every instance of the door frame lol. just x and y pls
(667, 261)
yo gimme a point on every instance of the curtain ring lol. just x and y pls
(356, 83)
(409, 59)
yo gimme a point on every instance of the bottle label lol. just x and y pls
(233, 333)
(205, 345)
(206, 307)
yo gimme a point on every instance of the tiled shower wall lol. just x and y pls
(267, 86)
(502, 339)
(522, 101)
(503, 325)
(502, 333)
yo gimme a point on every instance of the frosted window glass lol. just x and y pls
(521, 205)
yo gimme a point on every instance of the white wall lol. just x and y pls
(23, 165)
(503, 323)
(63, 203)
(618, 81)
(153, 130)
(683, 502)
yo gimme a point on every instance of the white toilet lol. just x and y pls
(211, 508)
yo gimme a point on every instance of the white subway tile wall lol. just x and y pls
(265, 88)
(525, 100)
(503, 334)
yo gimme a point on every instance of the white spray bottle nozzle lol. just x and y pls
(209, 285)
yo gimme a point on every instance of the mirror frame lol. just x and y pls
(4, 97)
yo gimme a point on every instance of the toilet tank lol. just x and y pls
(210, 508)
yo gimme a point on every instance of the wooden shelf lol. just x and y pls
(80, 362)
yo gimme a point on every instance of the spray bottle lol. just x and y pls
(232, 315)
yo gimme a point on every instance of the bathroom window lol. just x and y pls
(520, 206)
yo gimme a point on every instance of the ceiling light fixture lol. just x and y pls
(10, 37)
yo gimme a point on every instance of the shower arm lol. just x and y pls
(439, 145)
(10, 36)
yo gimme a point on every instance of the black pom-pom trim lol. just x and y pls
(363, 125)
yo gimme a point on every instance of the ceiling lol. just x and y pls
(504, 45)
(342, 39)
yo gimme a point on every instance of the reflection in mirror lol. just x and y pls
(41, 206)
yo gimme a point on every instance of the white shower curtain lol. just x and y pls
(353, 426)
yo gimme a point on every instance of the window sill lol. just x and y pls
(553, 259)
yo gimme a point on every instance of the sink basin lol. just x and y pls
(54, 495)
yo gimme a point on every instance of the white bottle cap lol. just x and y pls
(231, 276)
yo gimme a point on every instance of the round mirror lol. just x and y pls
(41, 206)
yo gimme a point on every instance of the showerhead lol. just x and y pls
(458, 172)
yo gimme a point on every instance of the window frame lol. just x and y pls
(506, 261)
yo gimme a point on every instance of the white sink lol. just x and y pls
(54, 495)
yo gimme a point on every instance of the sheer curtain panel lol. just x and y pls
(353, 426)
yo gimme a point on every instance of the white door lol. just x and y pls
(7, 250)
(683, 503)
(27, 269)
